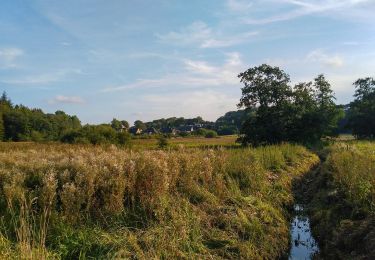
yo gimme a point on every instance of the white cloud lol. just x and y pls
(334, 61)
(66, 100)
(201, 35)
(196, 74)
(8, 57)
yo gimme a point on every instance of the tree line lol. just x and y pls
(271, 110)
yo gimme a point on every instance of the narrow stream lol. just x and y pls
(304, 245)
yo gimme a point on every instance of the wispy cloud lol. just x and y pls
(196, 74)
(334, 61)
(8, 57)
(239, 5)
(66, 100)
(201, 35)
(301, 8)
(42, 78)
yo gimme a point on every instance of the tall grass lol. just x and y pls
(353, 169)
(342, 203)
(60, 201)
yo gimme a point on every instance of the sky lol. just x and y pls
(149, 59)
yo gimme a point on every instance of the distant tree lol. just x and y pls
(16, 126)
(5, 101)
(231, 123)
(304, 113)
(328, 112)
(116, 124)
(361, 115)
(125, 124)
(139, 124)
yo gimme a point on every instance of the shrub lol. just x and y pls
(210, 134)
(162, 141)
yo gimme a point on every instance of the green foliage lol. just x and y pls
(97, 134)
(361, 116)
(123, 138)
(231, 123)
(119, 125)
(175, 122)
(210, 134)
(139, 124)
(304, 113)
(162, 142)
(22, 123)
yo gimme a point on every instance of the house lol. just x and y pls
(135, 130)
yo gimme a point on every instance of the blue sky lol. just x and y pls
(148, 59)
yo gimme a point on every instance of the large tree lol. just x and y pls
(361, 115)
(303, 113)
(267, 90)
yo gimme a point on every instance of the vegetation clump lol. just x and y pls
(74, 201)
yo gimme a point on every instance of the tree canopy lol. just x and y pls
(303, 113)
(361, 115)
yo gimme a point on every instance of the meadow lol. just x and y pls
(72, 201)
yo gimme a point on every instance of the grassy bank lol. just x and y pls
(61, 201)
(342, 201)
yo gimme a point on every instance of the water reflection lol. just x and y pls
(304, 245)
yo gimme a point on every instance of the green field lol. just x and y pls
(69, 202)
(188, 142)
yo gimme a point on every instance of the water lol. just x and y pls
(304, 245)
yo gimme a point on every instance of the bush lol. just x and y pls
(162, 141)
(210, 134)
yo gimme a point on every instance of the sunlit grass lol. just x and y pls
(72, 201)
(353, 169)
